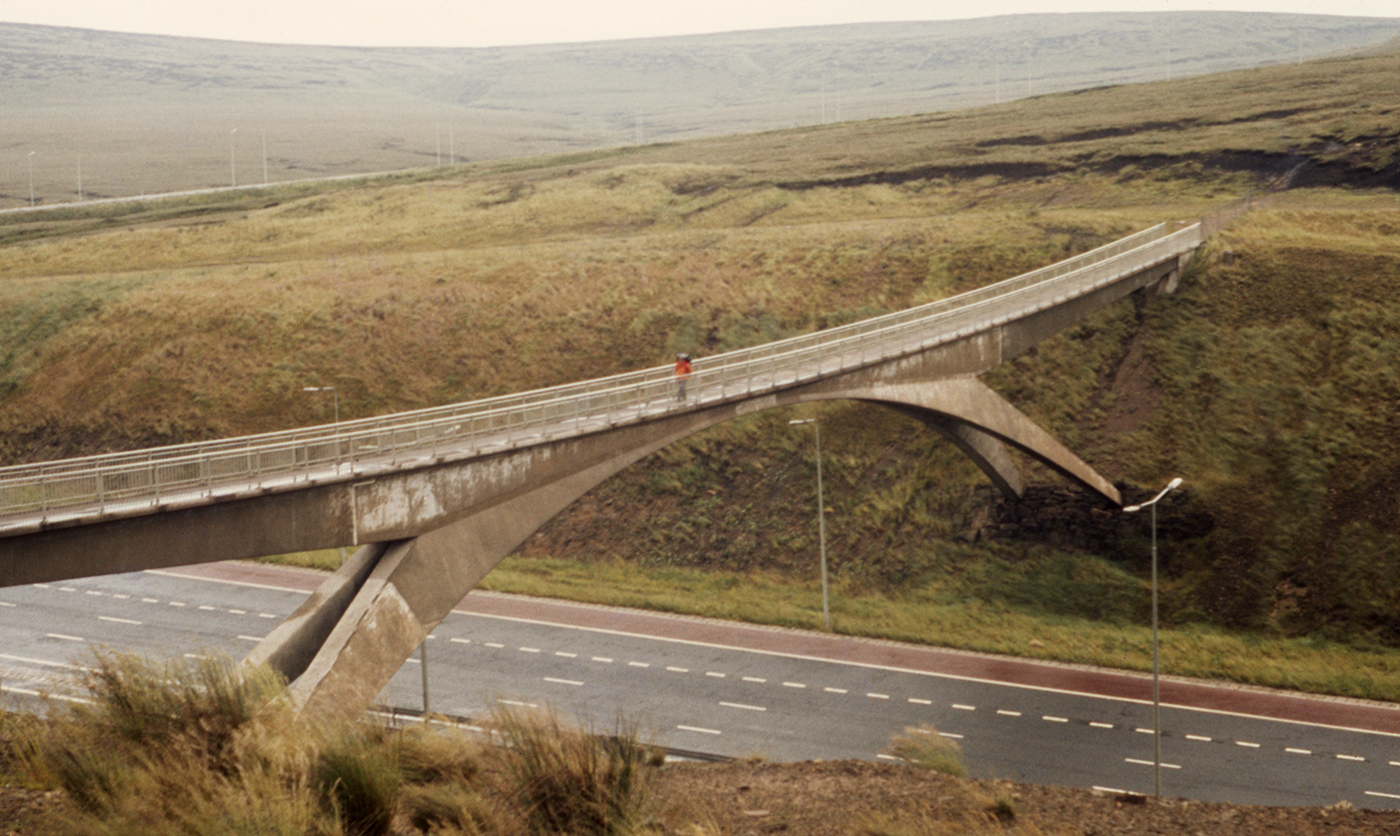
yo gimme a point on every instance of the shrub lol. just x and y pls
(569, 780)
(925, 748)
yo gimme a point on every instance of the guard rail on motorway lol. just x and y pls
(35, 494)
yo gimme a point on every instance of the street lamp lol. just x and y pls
(1156, 692)
(31, 178)
(821, 515)
(232, 172)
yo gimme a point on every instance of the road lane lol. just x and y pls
(742, 691)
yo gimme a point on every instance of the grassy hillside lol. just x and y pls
(1268, 382)
(95, 114)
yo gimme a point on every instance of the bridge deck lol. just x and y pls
(98, 488)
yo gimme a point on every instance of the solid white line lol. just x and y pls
(518, 703)
(1149, 763)
(61, 636)
(1382, 794)
(745, 707)
(897, 669)
(170, 574)
(1112, 790)
(116, 620)
(250, 638)
(883, 756)
(562, 681)
(698, 729)
(45, 662)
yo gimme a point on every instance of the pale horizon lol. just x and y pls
(452, 23)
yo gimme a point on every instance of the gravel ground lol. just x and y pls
(842, 798)
(856, 798)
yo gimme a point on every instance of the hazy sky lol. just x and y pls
(512, 22)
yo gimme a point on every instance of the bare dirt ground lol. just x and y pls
(850, 798)
(827, 798)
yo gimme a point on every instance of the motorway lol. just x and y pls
(740, 691)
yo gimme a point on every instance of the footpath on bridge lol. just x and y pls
(1175, 692)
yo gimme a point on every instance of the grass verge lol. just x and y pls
(923, 616)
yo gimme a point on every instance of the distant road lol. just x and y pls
(742, 690)
(106, 201)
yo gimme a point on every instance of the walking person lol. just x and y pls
(682, 374)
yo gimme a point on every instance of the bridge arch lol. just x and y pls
(350, 637)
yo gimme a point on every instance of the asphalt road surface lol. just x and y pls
(739, 690)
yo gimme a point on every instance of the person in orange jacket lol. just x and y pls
(682, 374)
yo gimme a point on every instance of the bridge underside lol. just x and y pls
(350, 637)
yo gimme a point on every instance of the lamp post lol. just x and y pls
(31, 178)
(1156, 692)
(821, 515)
(232, 172)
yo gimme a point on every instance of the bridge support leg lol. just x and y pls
(968, 402)
(985, 450)
(403, 589)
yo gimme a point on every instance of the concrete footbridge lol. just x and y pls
(435, 498)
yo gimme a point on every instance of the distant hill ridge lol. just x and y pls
(110, 114)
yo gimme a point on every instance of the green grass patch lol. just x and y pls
(935, 617)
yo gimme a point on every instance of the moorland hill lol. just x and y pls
(107, 114)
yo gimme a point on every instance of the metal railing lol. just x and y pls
(135, 482)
